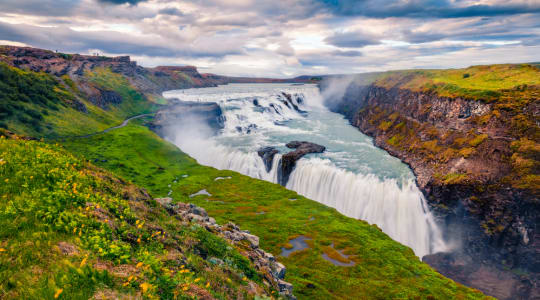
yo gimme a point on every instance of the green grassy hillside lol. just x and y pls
(384, 268)
(488, 83)
(70, 230)
(41, 105)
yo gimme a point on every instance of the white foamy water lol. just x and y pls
(353, 176)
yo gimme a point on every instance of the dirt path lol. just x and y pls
(126, 121)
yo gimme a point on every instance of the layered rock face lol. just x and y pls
(151, 81)
(467, 156)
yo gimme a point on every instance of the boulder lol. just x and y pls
(288, 161)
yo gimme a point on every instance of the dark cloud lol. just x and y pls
(119, 2)
(518, 28)
(173, 11)
(353, 39)
(39, 7)
(422, 8)
(352, 53)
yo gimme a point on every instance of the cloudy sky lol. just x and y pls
(282, 38)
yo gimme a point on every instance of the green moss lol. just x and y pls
(478, 140)
(385, 125)
(395, 140)
(455, 178)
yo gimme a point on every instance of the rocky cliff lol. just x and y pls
(476, 160)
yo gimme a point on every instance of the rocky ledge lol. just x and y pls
(264, 262)
(288, 161)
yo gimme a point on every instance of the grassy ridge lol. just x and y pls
(69, 230)
(476, 82)
(384, 268)
(40, 105)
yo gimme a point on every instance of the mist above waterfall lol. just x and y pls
(334, 88)
(353, 176)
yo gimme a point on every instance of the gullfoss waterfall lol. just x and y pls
(352, 175)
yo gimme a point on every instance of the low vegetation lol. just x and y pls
(487, 83)
(70, 230)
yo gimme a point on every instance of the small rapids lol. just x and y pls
(353, 176)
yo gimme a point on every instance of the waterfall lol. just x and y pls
(260, 115)
(399, 211)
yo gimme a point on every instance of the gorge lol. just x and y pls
(352, 176)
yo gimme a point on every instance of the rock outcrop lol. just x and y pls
(468, 158)
(274, 272)
(288, 161)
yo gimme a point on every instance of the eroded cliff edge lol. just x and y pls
(476, 158)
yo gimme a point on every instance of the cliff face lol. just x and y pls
(476, 162)
(149, 80)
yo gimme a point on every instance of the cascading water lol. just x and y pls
(353, 176)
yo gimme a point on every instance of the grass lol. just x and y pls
(69, 230)
(384, 268)
(476, 82)
(40, 105)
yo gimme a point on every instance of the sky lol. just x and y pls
(282, 38)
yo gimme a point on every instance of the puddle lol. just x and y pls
(298, 244)
(337, 262)
(260, 213)
(222, 178)
(201, 192)
(184, 176)
(312, 218)
(293, 199)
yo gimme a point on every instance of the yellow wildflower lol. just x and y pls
(140, 226)
(32, 177)
(139, 265)
(197, 279)
(6, 180)
(137, 222)
(145, 286)
(83, 263)
(245, 278)
(207, 284)
(138, 240)
(185, 288)
(2, 250)
(58, 292)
